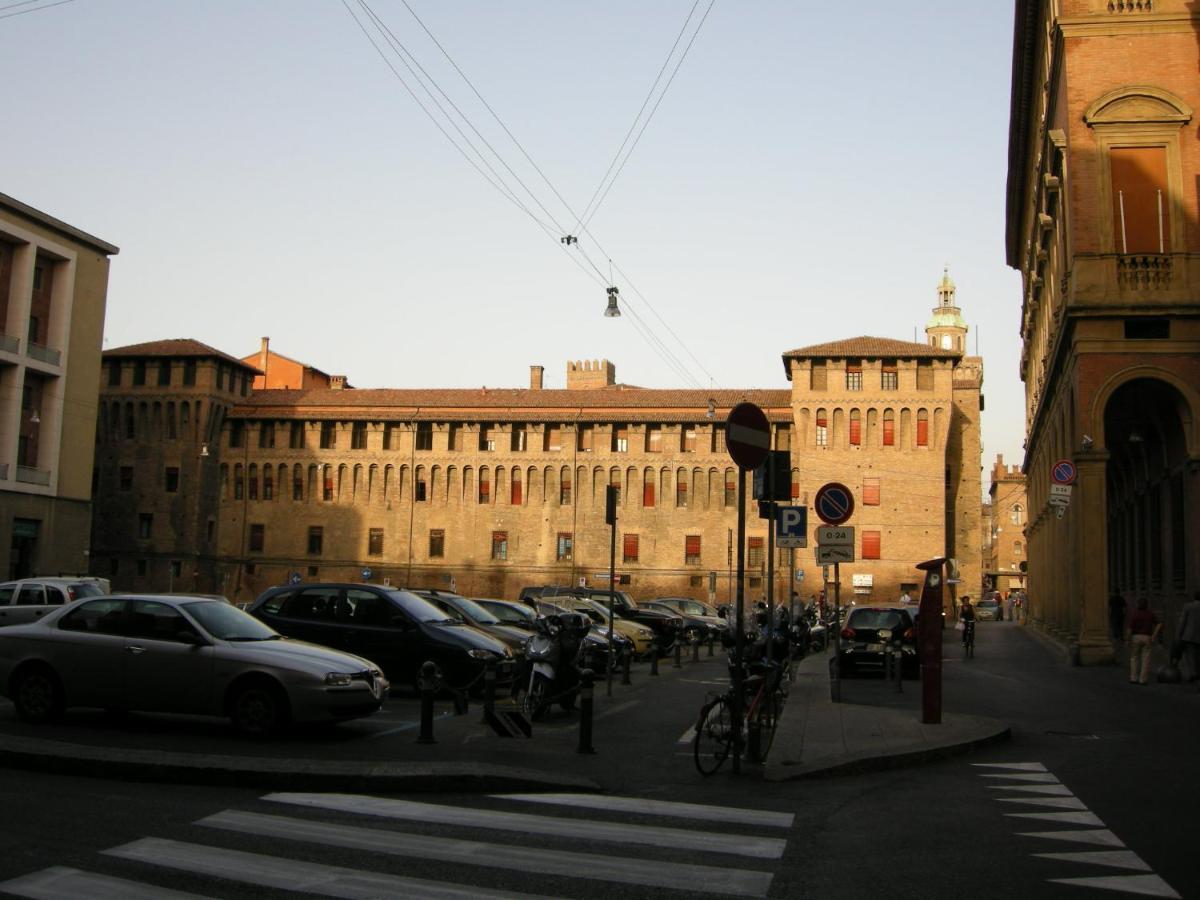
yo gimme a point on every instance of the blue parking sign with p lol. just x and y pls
(791, 526)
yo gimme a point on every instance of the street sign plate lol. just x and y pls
(791, 526)
(747, 435)
(835, 553)
(1063, 472)
(834, 503)
(835, 535)
(1060, 495)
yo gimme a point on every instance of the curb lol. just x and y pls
(317, 775)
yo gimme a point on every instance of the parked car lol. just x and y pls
(666, 626)
(396, 628)
(467, 611)
(178, 654)
(517, 615)
(28, 599)
(594, 652)
(988, 609)
(868, 630)
(700, 622)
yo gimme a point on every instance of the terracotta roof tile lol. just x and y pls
(174, 347)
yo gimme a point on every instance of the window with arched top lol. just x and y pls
(922, 428)
(889, 428)
(1017, 548)
(1018, 514)
(822, 430)
(855, 428)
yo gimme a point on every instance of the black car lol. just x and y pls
(395, 629)
(868, 631)
(699, 621)
(471, 613)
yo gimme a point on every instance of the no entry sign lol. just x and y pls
(747, 435)
(834, 503)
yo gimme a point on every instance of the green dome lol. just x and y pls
(947, 317)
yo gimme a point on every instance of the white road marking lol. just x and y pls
(620, 707)
(1054, 802)
(1146, 885)
(407, 726)
(1056, 790)
(1121, 859)
(587, 829)
(671, 808)
(688, 736)
(1031, 777)
(624, 870)
(1091, 836)
(1019, 767)
(63, 883)
(1066, 818)
(292, 874)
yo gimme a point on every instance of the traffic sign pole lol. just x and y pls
(739, 639)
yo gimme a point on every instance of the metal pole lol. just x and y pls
(428, 681)
(771, 565)
(612, 600)
(836, 665)
(586, 703)
(739, 640)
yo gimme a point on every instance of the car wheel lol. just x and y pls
(259, 708)
(37, 694)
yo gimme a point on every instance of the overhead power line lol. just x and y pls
(9, 15)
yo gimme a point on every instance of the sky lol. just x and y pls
(804, 177)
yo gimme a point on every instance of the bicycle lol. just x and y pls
(763, 701)
(968, 639)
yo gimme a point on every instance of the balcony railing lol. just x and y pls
(28, 475)
(44, 354)
(1144, 270)
(10, 344)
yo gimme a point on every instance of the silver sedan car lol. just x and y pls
(180, 654)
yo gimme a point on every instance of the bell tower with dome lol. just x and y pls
(946, 328)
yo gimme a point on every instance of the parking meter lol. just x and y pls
(929, 640)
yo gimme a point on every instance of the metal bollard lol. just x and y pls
(696, 649)
(678, 653)
(428, 683)
(585, 711)
(899, 669)
(654, 659)
(710, 645)
(489, 688)
(625, 663)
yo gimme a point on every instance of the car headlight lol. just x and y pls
(338, 679)
(481, 654)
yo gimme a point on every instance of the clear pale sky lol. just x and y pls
(809, 172)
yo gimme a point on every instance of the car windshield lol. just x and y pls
(874, 618)
(229, 623)
(86, 589)
(473, 611)
(418, 607)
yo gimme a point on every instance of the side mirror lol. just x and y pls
(184, 636)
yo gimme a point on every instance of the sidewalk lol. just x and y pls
(818, 737)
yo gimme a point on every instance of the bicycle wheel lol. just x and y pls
(714, 736)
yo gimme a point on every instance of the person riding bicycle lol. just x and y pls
(966, 615)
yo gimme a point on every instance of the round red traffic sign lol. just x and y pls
(1063, 472)
(834, 503)
(748, 435)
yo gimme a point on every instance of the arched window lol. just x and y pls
(327, 481)
(614, 478)
(855, 428)
(681, 489)
(297, 482)
(1018, 514)
(516, 496)
(485, 485)
(822, 433)
(239, 485)
(420, 486)
(648, 488)
(268, 483)
(889, 428)
(922, 428)
(1017, 548)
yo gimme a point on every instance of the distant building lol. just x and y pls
(488, 490)
(53, 286)
(279, 372)
(1005, 553)
(1103, 223)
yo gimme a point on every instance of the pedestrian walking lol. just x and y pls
(1143, 631)
(1008, 606)
(1116, 616)
(1189, 636)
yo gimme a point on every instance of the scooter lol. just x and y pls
(552, 654)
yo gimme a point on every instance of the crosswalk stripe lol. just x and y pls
(1057, 790)
(1089, 836)
(1146, 885)
(688, 736)
(587, 829)
(292, 874)
(673, 809)
(625, 870)
(1031, 777)
(65, 883)
(1018, 767)
(1067, 818)
(1121, 859)
(1055, 802)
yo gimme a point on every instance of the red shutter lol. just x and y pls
(855, 431)
(631, 548)
(889, 432)
(795, 489)
(870, 492)
(822, 422)
(1139, 193)
(516, 493)
(870, 545)
(922, 432)
(692, 545)
(648, 494)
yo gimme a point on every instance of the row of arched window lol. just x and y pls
(163, 421)
(841, 428)
(650, 487)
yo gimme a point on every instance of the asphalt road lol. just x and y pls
(1088, 745)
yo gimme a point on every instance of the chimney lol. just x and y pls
(535, 378)
(263, 355)
(337, 382)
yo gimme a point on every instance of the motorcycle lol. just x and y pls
(552, 655)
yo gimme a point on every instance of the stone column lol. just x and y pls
(1090, 556)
